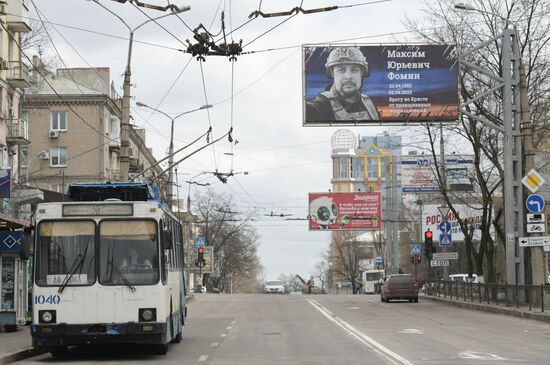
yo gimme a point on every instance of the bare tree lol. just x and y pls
(234, 240)
(346, 251)
(443, 24)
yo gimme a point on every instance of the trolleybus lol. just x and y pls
(108, 268)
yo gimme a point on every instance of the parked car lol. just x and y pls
(463, 278)
(202, 289)
(275, 286)
(399, 286)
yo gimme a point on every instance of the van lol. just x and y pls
(463, 278)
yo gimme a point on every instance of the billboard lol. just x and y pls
(345, 211)
(431, 218)
(418, 173)
(395, 84)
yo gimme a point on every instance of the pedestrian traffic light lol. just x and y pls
(417, 259)
(428, 244)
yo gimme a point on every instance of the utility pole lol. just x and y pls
(443, 174)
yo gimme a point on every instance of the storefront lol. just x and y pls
(14, 254)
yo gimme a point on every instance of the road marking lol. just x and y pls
(203, 358)
(214, 344)
(360, 336)
(223, 335)
(352, 308)
(473, 355)
(228, 328)
(412, 331)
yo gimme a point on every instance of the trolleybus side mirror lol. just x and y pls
(166, 239)
(25, 252)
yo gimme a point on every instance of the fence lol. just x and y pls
(532, 297)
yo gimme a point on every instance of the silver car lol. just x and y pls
(275, 286)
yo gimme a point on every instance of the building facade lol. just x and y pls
(74, 124)
(370, 163)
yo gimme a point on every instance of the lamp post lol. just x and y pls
(171, 148)
(125, 124)
(510, 83)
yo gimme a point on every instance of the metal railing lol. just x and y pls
(18, 128)
(531, 297)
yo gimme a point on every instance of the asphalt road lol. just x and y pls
(326, 329)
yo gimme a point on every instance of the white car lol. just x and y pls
(275, 286)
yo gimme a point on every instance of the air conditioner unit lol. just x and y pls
(44, 155)
(54, 134)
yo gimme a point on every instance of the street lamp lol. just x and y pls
(125, 124)
(171, 148)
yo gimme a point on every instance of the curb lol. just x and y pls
(492, 309)
(20, 355)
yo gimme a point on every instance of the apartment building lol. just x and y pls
(74, 124)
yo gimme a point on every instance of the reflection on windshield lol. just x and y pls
(128, 252)
(65, 248)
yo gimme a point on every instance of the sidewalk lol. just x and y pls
(16, 345)
(521, 312)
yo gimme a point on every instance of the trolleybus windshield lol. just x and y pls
(128, 252)
(65, 253)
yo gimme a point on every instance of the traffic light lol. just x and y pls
(428, 244)
(200, 257)
(417, 259)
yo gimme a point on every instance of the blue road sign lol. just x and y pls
(535, 203)
(416, 249)
(200, 241)
(445, 240)
(445, 227)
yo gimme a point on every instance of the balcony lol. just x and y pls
(18, 16)
(18, 75)
(18, 132)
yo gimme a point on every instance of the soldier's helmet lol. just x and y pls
(346, 55)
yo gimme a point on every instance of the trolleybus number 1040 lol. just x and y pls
(50, 299)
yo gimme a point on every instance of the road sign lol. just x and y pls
(535, 203)
(436, 263)
(445, 256)
(445, 237)
(443, 211)
(200, 241)
(416, 249)
(536, 218)
(445, 227)
(536, 228)
(533, 181)
(534, 241)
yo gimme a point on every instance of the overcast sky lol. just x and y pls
(284, 160)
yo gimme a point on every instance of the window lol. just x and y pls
(58, 157)
(23, 156)
(65, 253)
(58, 121)
(372, 164)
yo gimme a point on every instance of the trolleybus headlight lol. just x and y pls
(148, 314)
(46, 316)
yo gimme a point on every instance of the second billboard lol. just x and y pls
(345, 211)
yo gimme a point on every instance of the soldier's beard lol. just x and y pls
(349, 97)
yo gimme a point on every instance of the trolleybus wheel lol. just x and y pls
(59, 351)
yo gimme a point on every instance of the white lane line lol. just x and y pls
(203, 358)
(214, 344)
(360, 336)
(228, 328)
(223, 335)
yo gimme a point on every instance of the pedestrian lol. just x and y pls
(343, 99)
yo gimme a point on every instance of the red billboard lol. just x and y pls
(345, 211)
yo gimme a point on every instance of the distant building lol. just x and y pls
(371, 163)
(74, 124)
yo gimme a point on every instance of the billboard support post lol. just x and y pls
(508, 82)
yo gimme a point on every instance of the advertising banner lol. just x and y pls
(10, 241)
(5, 182)
(345, 211)
(396, 84)
(431, 219)
(418, 174)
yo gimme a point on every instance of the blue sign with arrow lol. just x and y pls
(445, 236)
(535, 203)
